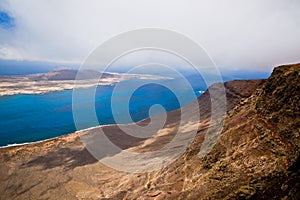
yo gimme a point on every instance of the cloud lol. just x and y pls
(9, 52)
(237, 34)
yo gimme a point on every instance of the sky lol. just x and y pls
(238, 35)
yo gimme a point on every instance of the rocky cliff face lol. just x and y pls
(256, 156)
(280, 100)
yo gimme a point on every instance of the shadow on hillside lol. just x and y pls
(63, 157)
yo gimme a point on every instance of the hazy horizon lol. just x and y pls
(246, 36)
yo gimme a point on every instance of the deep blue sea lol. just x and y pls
(30, 118)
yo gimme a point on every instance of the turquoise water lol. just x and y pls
(29, 118)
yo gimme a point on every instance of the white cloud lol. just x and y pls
(9, 52)
(241, 34)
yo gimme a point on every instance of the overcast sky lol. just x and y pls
(253, 34)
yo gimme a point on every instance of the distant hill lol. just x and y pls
(70, 74)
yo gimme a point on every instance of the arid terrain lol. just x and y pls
(61, 80)
(255, 157)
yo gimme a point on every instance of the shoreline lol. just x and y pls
(61, 80)
(78, 132)
(55, 90)
(75, 132)
(31, 87)
(29, 143)
(53, 138)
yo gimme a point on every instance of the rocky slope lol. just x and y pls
(255, 157)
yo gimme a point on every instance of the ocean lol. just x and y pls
(35, 117)
(31, 118)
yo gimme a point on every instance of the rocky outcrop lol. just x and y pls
(280, 100)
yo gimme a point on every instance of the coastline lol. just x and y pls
(72, 134)
(78, 132)
(28, 143)
(44, 83)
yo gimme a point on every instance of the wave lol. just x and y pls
(26, 143)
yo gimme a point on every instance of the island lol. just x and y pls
(63, 79)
